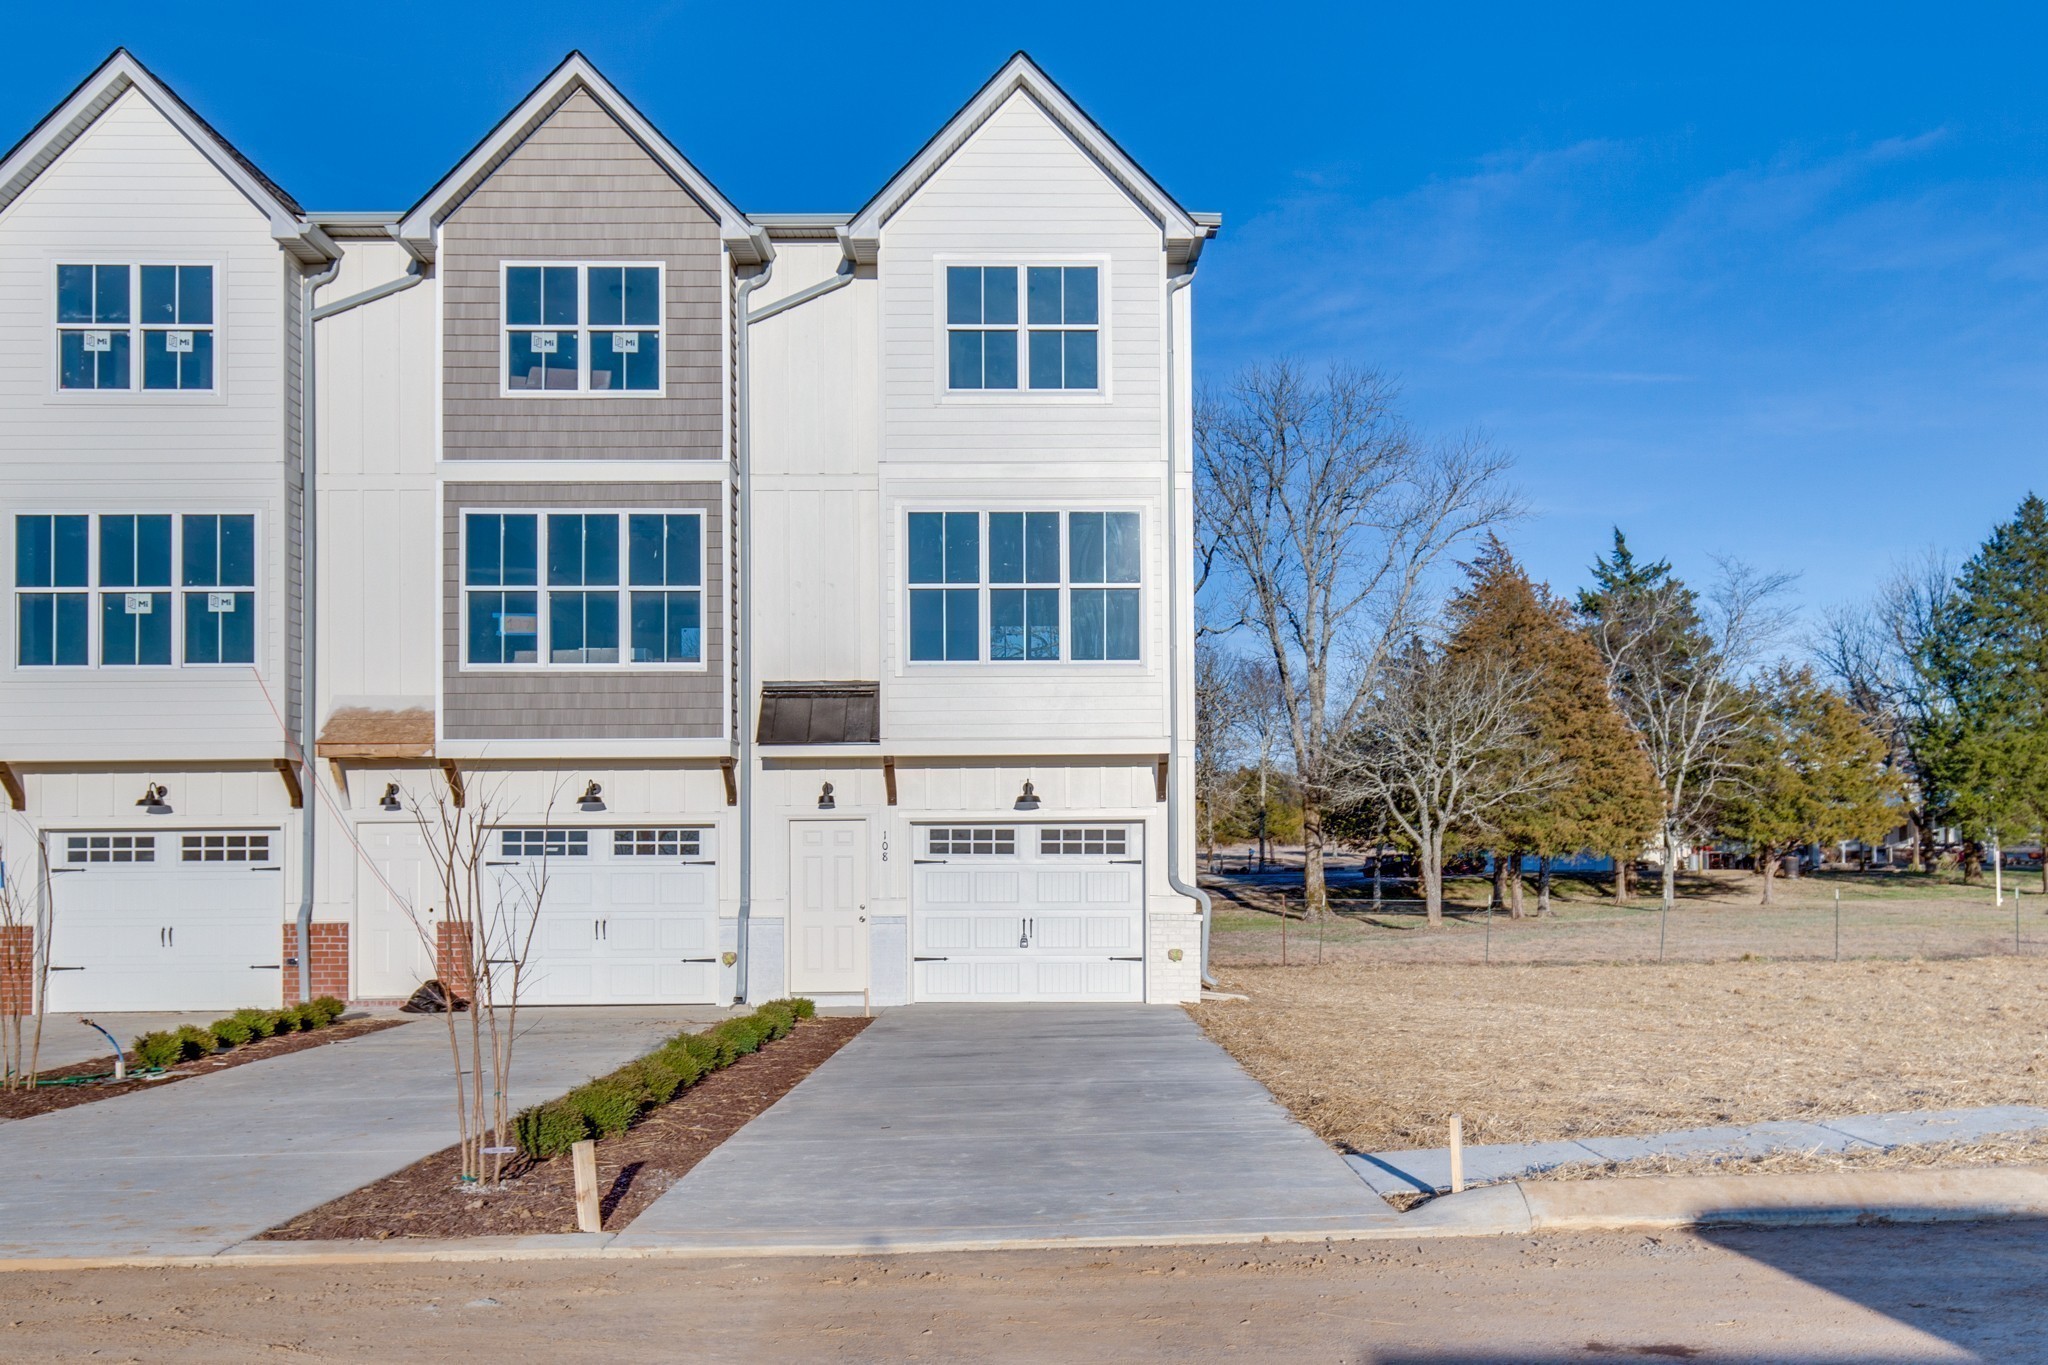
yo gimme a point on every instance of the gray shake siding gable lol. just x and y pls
(581, 189)
(544, 704)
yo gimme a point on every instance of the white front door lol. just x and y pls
(397, 895)
(626, 916)
(828, 905)
(1028, 913)
(165, 920)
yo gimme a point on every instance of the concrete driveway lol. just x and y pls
(204, 1163)
(977, 1125)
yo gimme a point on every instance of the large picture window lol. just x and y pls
(108, 315)
(560, 577)
(589, 329)
(1035, 325)
(1052, 587)
(104, 590)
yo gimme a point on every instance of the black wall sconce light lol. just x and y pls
(390, 799)
(825, 801)
(155, 798)
(592, 798)
(1027, 799)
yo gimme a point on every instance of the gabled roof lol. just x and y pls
(747, 242)
(115, 77)
(1184, 235)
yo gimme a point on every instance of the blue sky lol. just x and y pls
(1769, 281)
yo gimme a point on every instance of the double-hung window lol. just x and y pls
(1051, 342)
(107, 314)
(1052, 587)
(592, 329)
(64, 563)
(561, 577)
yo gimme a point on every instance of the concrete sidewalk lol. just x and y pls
(944, 1125)
(1429, 1169)
(204, 1163)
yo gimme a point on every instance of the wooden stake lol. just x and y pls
(1457, 1153)
(589, 1213)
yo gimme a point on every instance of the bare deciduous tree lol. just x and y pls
(490, 908)
(1679, 668)
(1445, 746)
(1221, 704)
(25, 925)
(1324, 515)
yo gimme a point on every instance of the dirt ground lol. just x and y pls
(634, 1168)
(1955, 1292)
(1898, 915)
(1378, 1057)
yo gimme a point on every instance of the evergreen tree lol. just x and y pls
(1609, 800)
(1815, 772)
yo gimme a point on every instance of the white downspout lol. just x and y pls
(309, 541)
(742, 625)
(1174, 284)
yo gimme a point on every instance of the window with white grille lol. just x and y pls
(226, 848)
(545, 843)
(1074, 843)
(656, 843)
(111, 848)
(981, 839)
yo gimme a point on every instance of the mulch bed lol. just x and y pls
(45, 1099)
(633, 1169)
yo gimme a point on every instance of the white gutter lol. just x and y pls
(1174, 284)
(413, 275)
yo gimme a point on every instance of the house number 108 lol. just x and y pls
(885, 846)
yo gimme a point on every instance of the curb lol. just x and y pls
(1799, 1199)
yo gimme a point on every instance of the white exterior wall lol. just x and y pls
(1021, 191)
(132, 189)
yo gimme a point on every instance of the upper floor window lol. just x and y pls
(107, 315)
(1049, 339)
(559, 577)
(1051, 587)
(593, 329)
(70, 574)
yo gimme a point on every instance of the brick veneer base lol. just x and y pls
(451, 957)
(330, 960)
(17, 969)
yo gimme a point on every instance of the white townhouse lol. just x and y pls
(809, 591)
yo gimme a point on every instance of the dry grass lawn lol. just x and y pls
(1378, 1057)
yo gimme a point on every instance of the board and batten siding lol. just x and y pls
(1021, 190)
(558, 704)
(580, 189)
(133, 189)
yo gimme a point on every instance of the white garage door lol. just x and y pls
(626, 917)
(1029, 912)
(165, 920)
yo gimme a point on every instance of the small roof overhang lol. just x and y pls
(820, 713)
(1184, 234)
(61, 127)
(747, 242)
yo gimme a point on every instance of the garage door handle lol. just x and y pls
(64, 969)
(1127, 959)
(266, 967)
(931, 959)
(699, 959)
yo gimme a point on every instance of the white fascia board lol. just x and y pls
(116, 76)
(861, 238)
(747, 241)
(1136, 748)
(610, 750)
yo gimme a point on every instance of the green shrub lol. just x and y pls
(685, 1060)
(608, 1103)
(262, 1023)
(550, 1129)
(158, 1051)
(284, 1021)
(779, 1018)
(232, 1031)
(659, 1076)
(735, 1038)
(797, 1005)
(308, 1017)
(327, 1008)
(700, 1050)
(194, 1041)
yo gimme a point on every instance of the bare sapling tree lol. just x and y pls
(1679, 667)
(25, 927)
(1323, 515)
(1445, 747)
(491, 900)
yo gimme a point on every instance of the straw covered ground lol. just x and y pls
(1377, 1057)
